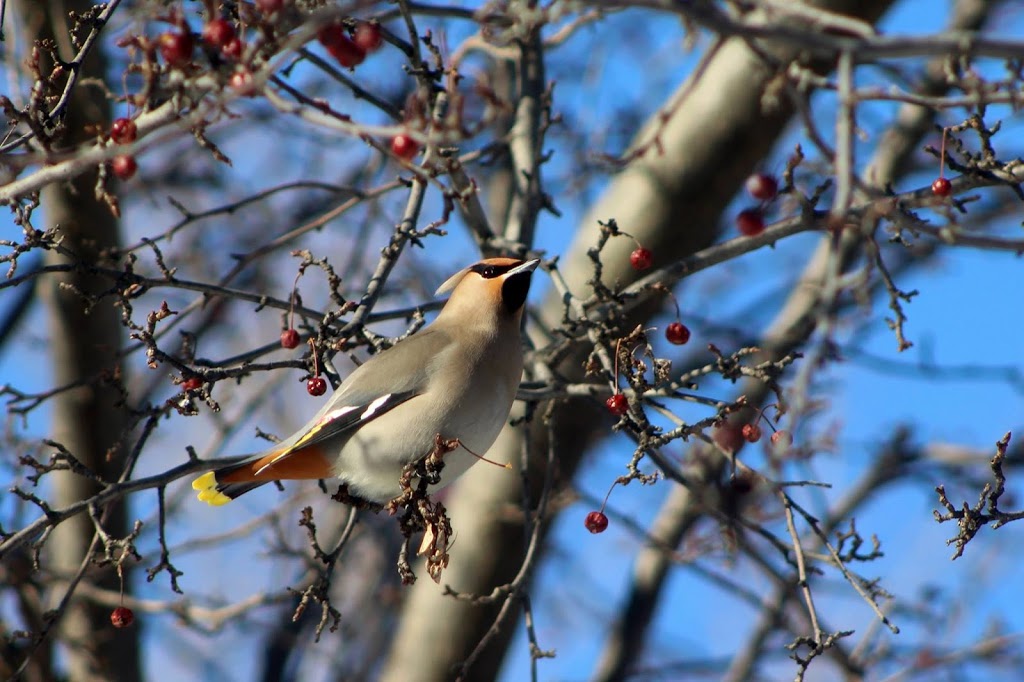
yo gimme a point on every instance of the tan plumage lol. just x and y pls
(456, 378)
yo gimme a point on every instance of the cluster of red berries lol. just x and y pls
(123, 131)
(676, 332)
(764, 188)
(780, 439)
(315, 386)
(220, 34)
(175, 47)
(351, 51)
(642, 259)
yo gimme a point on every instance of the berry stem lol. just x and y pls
(942, 154)
(316, 358)
(120, 577)
(760, 414)
(675, 302)
(604, 502)
(291, 300)
(615, 376)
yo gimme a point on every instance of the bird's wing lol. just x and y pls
(406, 366)
(377, 386)
(334, 423)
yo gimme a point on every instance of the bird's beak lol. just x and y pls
(528, 266)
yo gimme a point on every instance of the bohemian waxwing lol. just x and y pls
(455, 379)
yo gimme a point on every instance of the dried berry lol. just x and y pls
(122, 617)
(617, 404)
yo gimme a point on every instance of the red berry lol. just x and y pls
(124, 166)
(122, 617)
(751, 432)
(316, 386)
(218, 33)
(340, 46)
(617, 404)
(404, 147)
(290, 338)
(677, 333)
(233, 49)
(368, 36)
(762, 187)
(191, 384)
(269, 6)
(942, 187)
(330, 34)
(347, 53)
(176, 47)
(782, 439)
(596, 522)
(123, 130)
(750, 222)
(641, 259)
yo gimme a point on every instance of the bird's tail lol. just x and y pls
(217, 488)
(283, 463)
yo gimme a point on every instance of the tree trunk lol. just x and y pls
(84, 348)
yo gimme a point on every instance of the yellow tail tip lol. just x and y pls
(208, 493)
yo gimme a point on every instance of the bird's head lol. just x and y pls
(497, 285)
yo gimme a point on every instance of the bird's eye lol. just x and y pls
(488, 272)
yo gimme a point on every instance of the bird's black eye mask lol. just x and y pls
(514, 289)
(490, 271)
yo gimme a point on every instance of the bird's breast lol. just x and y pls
(471, 404)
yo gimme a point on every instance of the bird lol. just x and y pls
(455, 379)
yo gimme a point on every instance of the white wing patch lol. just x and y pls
(374, 406)
(331, 418)
(340, 421)
(334, 414)
(327, 418)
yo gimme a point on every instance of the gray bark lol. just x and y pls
(84, 345)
